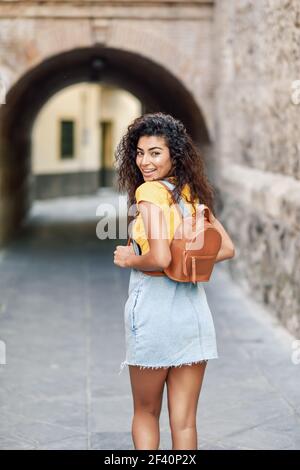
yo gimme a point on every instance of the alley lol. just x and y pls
(61, 319)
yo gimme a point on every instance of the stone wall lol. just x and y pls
(256, 60)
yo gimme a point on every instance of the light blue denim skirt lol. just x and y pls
(167, 323)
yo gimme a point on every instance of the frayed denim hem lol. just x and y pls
(125, 363)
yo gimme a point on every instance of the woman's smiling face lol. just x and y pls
(153, 158)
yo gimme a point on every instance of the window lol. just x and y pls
(106, 144)
(67, 134)
(106, 152)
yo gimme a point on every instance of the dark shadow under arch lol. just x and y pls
(151, 83)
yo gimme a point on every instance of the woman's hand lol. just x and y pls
(122, 255)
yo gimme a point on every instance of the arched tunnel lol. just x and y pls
(152, 84)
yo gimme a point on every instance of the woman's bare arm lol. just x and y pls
(227, 249)
(159, 255)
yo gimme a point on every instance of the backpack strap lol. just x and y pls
(185, 212)
(169, 186)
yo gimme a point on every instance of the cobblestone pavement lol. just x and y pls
(61, 320)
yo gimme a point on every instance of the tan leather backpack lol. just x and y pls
(194, 247)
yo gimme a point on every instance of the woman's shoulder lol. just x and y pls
(150, 185)
(152, 191)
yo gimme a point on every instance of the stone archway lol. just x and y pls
(153, 84)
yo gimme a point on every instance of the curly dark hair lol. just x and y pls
(188, 166)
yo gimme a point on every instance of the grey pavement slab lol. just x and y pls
(61, 319)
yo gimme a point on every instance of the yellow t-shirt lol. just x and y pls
(155, 192)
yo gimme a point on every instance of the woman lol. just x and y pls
(170, 334)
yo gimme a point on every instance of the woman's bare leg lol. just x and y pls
(147, 389)
(183, 386)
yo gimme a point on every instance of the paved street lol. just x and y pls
(61, 319)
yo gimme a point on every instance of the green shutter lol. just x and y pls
(67, 139)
